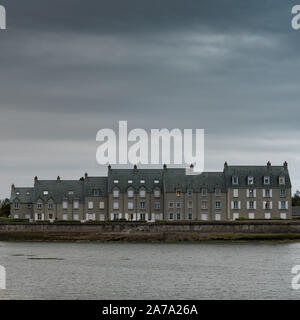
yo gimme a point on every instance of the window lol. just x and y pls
(130, 193)
(235, 216)
(190, 216)
(45, 192)
(235, 193)
(156, 205)
(16, 205)
(250, 180)
(142, 204)
(251, 205)
(28, 193)
(156, 193)
(116, 215)
(282, 180)
(267, 193)
(101, 205)
(96, 193)
(267, 205)
(171, 204)
(130, 205)
(116, 181)
(251, 215)
(76, 204)
(130, 181)
(282, 205)
(171, 216)
(218, 216)
(235, 205)
(267, 215)
(204, 192)
(204, 205)
(190, 204)
(178, 216)
(190, 192)
(203, 216)
(91, 205)
(39, 216)
(235, 180)
(282, 193)
(29, 206)
(178, 193)
(71, 193)
(178, 205)
(218, 192)
(39, 205)
(282, 215)
(266, 180)
(50, 205)
(143, 216)
(142, 193)
(218, 205)
(17, 193)
(156, 181)
(50, 216)
(76, 217)
(142, 181)
(116, 193)
(116, 205)
(251, 193)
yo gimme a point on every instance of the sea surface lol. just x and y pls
(214, 270)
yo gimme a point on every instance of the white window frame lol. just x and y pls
(130, 193)
(116, 193)
(116, 205)
(142, 193)
(101, 205)
(90, 205)
(76, 204)
(130, 205)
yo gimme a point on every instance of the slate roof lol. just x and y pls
(95, 183)
(136, 175)
(258, 172)
(25, 194)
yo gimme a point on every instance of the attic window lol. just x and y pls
(45, 192)
(96, 192)
(282, 180)
(17, 193)
(130, 181)
(250, 180)
(178, 193)
(156, 181)
(142, 181)
(28, 193)
(71, 193)
(116, 181)
(235, 180)
(267, 180)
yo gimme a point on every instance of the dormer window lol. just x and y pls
(190, 192)
(71, 193)
(282, 180)
(17, 193)
(142, 181)
(266, 180)
(218, 192)
(45, 192)
(116, 181)
(130, 181)
(156, 181)
(204, 192)
(178, 193)
(250, 180)
(28, 193)
(96, 193)
(235, 180)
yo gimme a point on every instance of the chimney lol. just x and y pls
(109, 167)
(35, 178)
(268, 164)
(58, 178)
(225, 165)
(192, 166)
(86, 175)
(165, 166)
(285, 165)
(135, 167)
(13, 186)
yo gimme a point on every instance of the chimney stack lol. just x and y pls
(285, 165)
(268, 164)
(86, 175)
(225, 165)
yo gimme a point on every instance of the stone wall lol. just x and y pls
(164, 231)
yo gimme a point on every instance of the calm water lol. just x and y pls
(149, 271)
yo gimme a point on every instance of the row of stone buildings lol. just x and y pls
(251, 192)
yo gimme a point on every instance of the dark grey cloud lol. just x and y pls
(69, 68)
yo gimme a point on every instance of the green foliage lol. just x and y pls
(296, 200)
(4, 208)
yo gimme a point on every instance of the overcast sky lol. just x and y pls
(69, 68)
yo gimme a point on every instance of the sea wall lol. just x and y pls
(161, 231)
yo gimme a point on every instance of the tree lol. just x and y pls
(296, 199)
(4, 208)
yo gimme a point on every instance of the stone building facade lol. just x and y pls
(250, 192)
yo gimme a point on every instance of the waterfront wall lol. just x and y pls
(163, 231)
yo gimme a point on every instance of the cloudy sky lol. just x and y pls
(69, 68)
